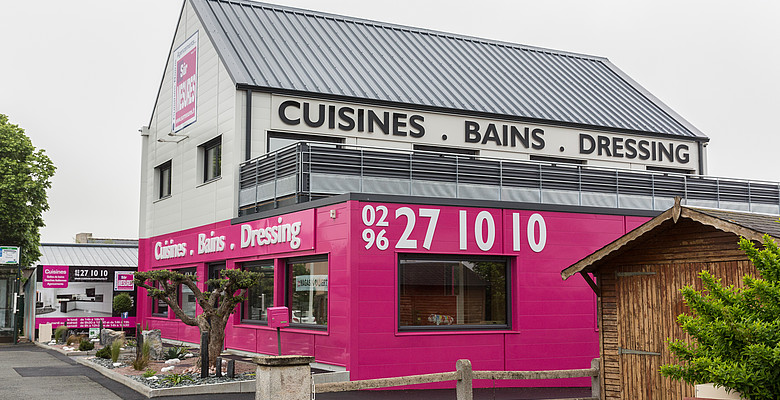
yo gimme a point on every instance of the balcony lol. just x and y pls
(307, 171)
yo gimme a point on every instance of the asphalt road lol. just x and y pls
(31, 373)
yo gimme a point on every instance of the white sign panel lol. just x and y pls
(414, 127)
(9, 255)
(316, 283)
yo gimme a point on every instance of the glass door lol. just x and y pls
(7, 279)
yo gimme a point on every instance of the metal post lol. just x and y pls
(139, 340)
(204, 354)
(231, 369)
(100, 334)
(279, 339)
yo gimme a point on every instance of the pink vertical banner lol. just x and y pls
(55, 276)
(185, 81)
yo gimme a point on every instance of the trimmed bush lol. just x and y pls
(86, 345)
(104, 352)
(123, 303)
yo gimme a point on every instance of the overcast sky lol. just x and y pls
(81, 78)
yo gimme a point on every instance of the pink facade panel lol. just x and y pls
(549, 324)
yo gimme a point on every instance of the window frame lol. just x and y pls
(213, 144)
(161, 170)
(155, 306)
(259, 265)
(288, 293)
(456, 257)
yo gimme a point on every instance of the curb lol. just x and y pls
(214, 388)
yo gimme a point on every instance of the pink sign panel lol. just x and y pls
(55, 276)
(435, 229)
(123, 281)
(87, 322)
(280, 234)
(185, 81)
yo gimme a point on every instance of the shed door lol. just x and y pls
(648, 302)
(640, 338)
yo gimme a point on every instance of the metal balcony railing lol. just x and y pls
(306, 171)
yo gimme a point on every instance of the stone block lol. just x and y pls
(154, 339)
(108, 336)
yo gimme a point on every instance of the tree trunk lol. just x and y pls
(216, 340)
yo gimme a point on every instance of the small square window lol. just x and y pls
(212, 159)
(164, 180)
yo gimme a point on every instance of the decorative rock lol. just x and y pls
(189, 355)
(154, 339)
(108, 336)
(152, 378)
(166, 369)
(173, 361)
(117, 364)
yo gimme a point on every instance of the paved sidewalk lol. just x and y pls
(32, 373)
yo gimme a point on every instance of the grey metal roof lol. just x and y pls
(89, 255)
(300, 51)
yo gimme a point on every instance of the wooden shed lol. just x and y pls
(638, 278)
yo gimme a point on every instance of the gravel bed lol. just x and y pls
(160, 383)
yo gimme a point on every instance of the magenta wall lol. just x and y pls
(553, 322)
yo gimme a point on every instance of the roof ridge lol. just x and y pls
(412, 29)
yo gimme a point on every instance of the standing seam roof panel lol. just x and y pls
(302, 50)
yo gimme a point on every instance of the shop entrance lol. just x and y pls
(7, 280)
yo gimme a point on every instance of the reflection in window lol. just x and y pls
(186, 297)
(159, 307)
(453, 293)
(307, 292)
(260, 296)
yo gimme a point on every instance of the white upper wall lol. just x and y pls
(191, 203)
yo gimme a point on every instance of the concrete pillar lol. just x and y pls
(463, 387)
(595, 381)
(283, 378)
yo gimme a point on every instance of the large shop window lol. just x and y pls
(453, 292)
(187, 300)
(307, 292)
(159, 307)
(260, 296)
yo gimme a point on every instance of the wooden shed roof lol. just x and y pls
(748, 225)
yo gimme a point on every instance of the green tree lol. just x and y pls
(735, 332)
(25, 176)
(216, 305)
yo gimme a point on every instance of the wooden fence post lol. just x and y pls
(463, 388)
(595, 381)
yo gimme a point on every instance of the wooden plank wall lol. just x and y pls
(650, 308)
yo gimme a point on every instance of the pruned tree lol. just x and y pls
(25, 175)
(216, 305)
(734, 332)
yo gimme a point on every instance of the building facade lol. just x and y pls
(410, 195)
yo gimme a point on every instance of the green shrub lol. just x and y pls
(116, 347)
(176, 379)
(86, 345)
(123, 303)
(104, 352)
(142, 361)
(149, 373)
(60, 332)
